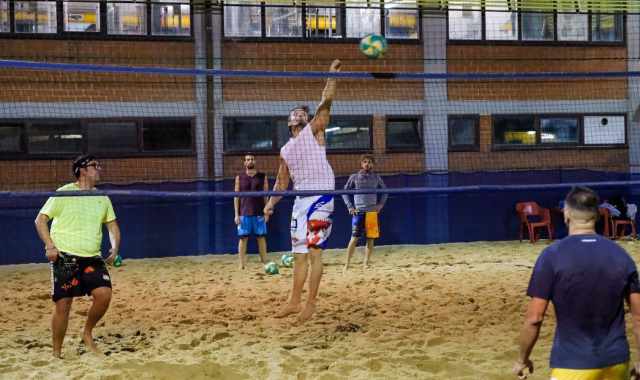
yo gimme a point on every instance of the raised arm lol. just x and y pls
(321, 118)
(282, 183)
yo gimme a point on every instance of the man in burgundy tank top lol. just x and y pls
(249, 216)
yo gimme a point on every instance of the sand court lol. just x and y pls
(448, 311)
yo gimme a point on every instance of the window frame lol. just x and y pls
(103, 34)
(419, 129)
(24, 153)
(550, 146)
(555, 42)
(369, 119)
(475, 147)
(341, 8)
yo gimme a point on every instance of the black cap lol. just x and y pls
(81, 162)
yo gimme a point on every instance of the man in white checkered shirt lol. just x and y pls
(304, 160)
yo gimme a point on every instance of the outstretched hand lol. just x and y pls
(335, 66)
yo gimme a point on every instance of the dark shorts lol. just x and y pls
(73, 276)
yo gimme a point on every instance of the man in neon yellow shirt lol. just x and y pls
(73, 250)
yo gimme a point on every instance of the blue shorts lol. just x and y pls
(252, 225)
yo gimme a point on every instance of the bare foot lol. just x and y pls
(345, 269)
(307, 313)
(57, 355)
(288, 310)
(90, 344)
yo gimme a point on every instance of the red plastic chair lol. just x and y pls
(527, 211)
(624, 223)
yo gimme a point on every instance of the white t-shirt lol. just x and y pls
(307, 161)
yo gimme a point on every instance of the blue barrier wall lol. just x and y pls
(173, 226)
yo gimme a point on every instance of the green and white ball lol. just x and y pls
(373, 45)
(287, 260)
(271, 268)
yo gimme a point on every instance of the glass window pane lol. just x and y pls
(572, 27)
(4, 16)
(81, 17)
(166, 135)
(514, 130)
(606, 27)
(112, 136)
(55, 137)
(558, 130)
(10, 138)
(604, 130)
(403, 134)
(363, 21)
(248, 134)
(465, 24)
(127, 18)
(501, 24)
(242, 21)
(348, 133)
(35, 17)
(401, 19)
(282, 127)
(462, 131)
(283, 21)
(324, 22)
(171, 19)
(538, 27)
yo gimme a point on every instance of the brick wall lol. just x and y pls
(616, 159)
(296, 56)
(49, 86)
(510, 59)
(49, 174)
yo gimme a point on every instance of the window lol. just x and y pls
(463, 132)
(113, 136)
(250, 134)
(403, 133)
(538, 27)
(332, 20)
(171, 19)
(607, 27)
(361, 19)
(81, 17)
(604, 130)
(243, 20)
(127, 18)
(514, 130)
(35, 17)
(501, 24)
(10, 138)
(166, 135)
(324, 22)
(401, 19)
(283, 21)
(55, 137)
(349, 133)
(4, 17)
(573, 27)
(559, 130)
(465, 24)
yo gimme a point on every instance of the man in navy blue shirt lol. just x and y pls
(588, 278)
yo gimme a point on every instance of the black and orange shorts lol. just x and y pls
(74, 276)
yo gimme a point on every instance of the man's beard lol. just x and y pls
(251, 166)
